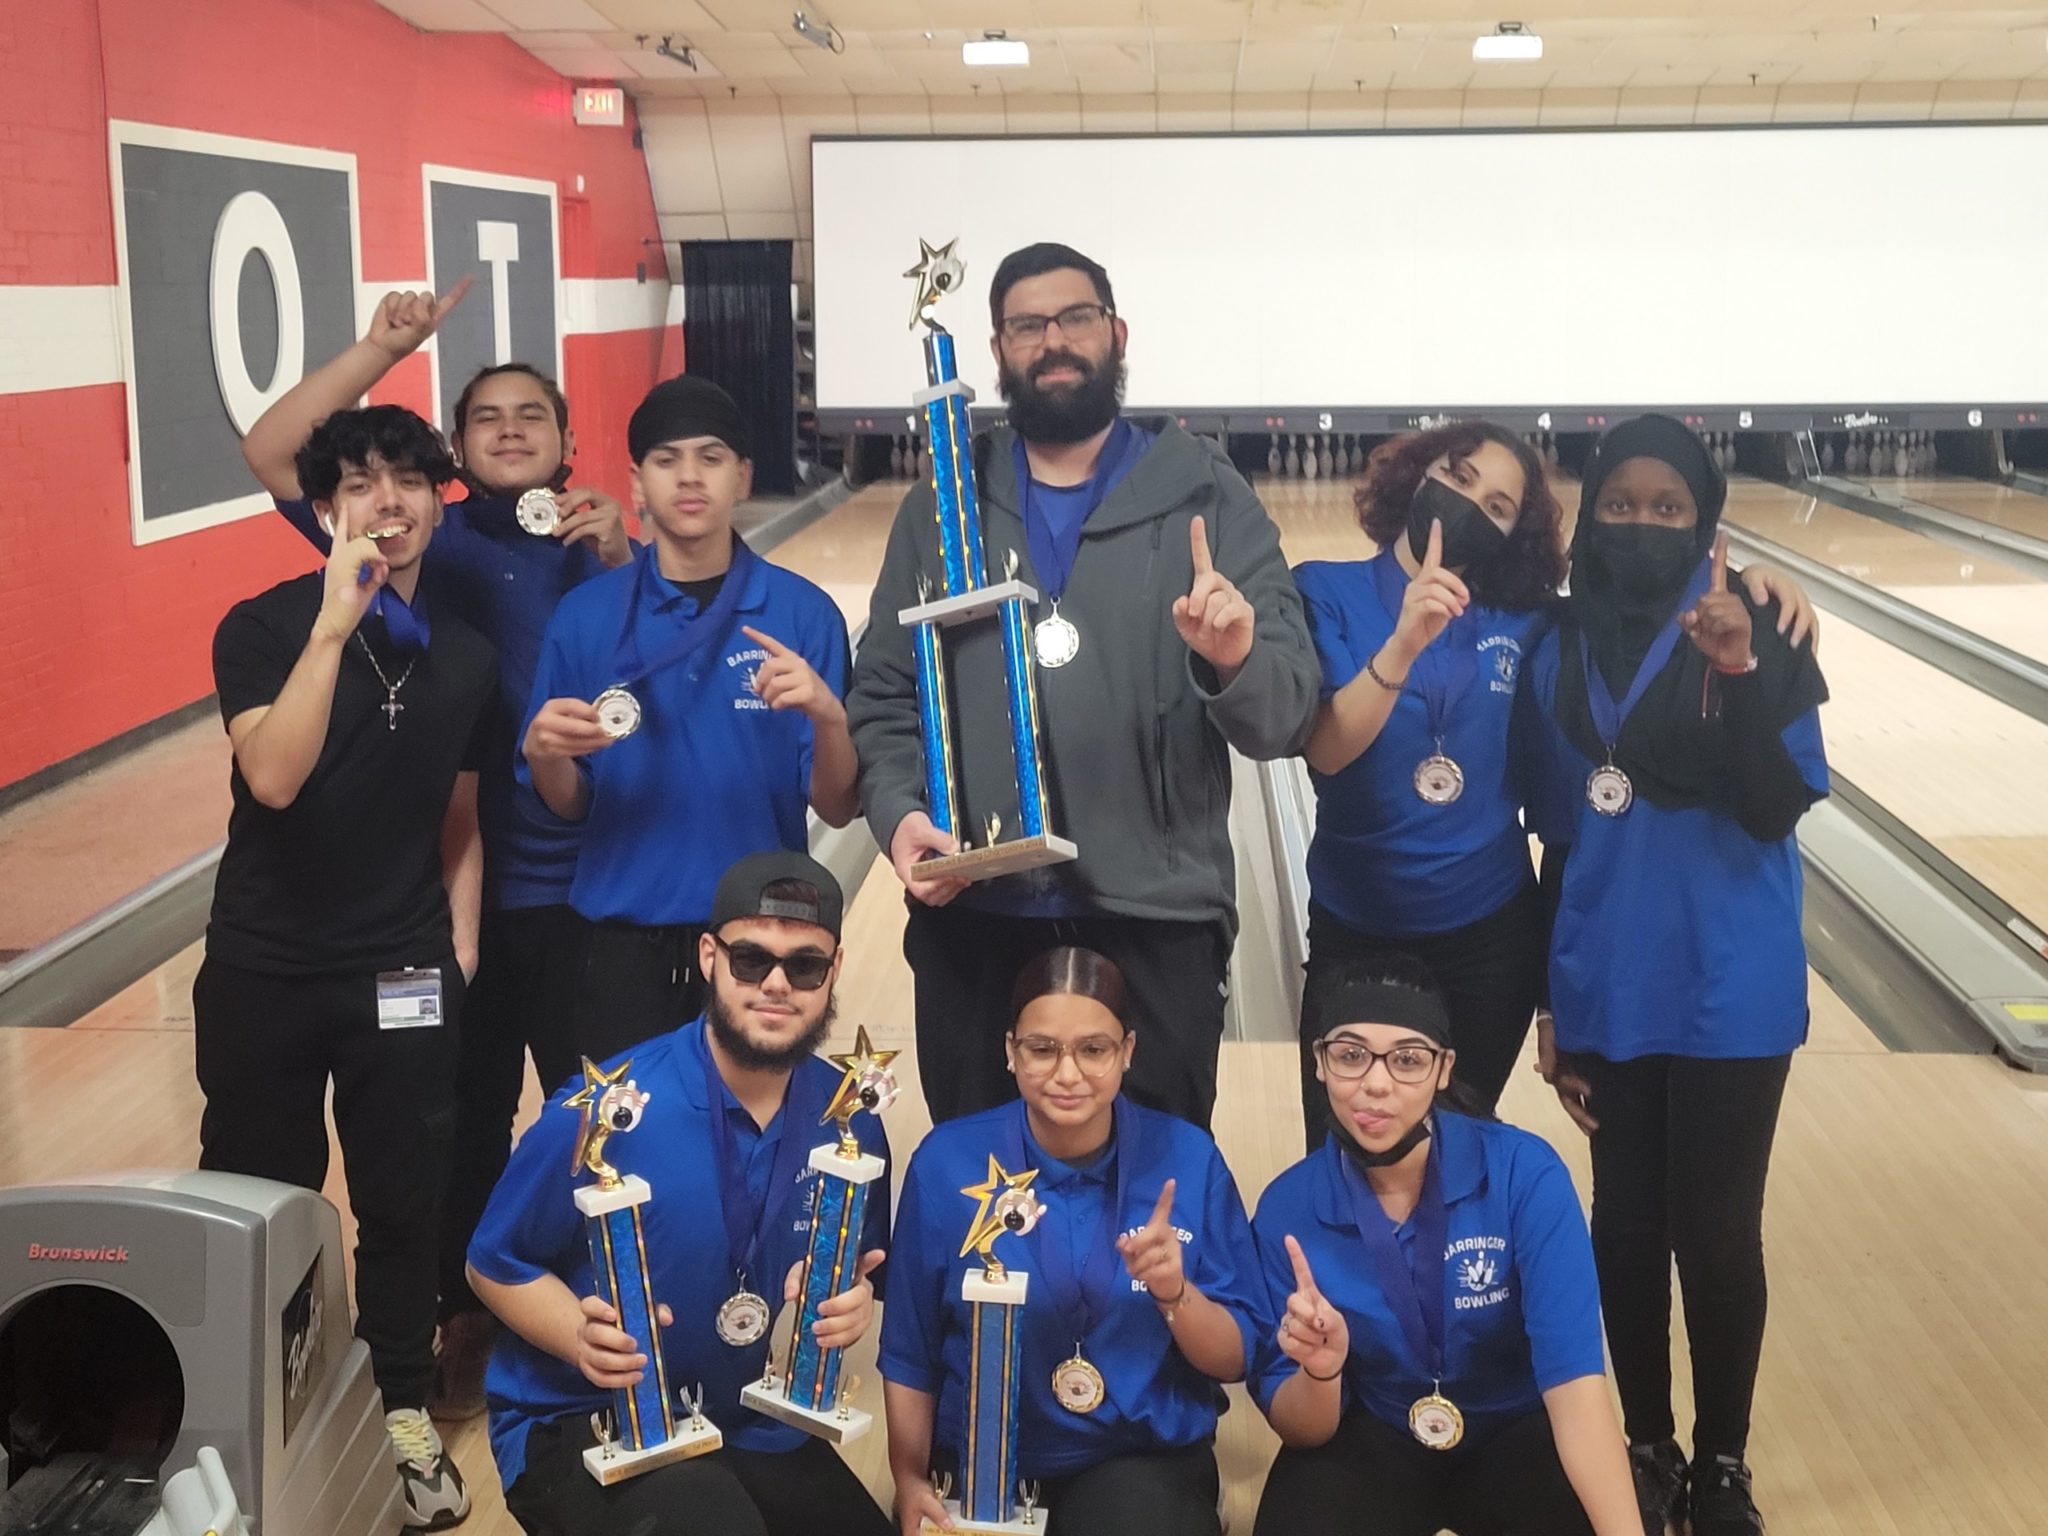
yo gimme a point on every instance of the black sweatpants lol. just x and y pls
(965, 963)
(529, 967)
(265, 1048)
(1679, 1165)
(638, 982)
(729, 1492)
(1164, 1493)
(1372, 1479)
(1491, 973)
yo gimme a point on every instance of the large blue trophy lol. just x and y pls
(645, 1429)
(808, 1391)
(992, 1502)
(967, 597)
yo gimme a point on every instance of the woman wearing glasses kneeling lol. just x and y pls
(1437, 1363)
(1144, 1290)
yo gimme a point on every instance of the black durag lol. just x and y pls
(1627, 582)
(1355, 1000)
(681, 408)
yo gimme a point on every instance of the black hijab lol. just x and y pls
(1625, 587)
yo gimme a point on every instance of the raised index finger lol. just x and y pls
(1720, 579)
(1162, 1209)
(768, 643)
(1303, 1280)
(453, 296)
(1198, 544)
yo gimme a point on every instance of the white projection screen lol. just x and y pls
(1809, 267)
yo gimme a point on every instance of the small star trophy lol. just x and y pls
(992, 1502)
(964, 597)
(807, 1391)
(646, 1428)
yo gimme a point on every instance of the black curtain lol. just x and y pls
(738, 332)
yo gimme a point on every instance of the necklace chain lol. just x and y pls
(391, 707)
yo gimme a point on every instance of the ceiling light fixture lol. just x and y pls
(1510, 42)
(995, 49)
(815, 29)
(681, 54)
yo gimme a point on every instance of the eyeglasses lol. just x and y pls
(751, 963)
(1039, 1056)
(1074, 320)
(1347, 1061)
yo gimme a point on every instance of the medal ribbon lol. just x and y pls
(1413, 1283)
(693, 634)
(746, 1224)
(1053, 550)
(405, 624)
(1082, 1297)
(1447, 667)
(1608, 716)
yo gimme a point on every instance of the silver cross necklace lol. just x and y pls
(391, 707)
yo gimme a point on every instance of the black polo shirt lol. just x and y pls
(348, 876)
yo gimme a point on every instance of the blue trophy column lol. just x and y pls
(618, 1256)
(829, 1268)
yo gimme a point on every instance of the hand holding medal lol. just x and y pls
(1152, 1253)
(568, 728)
(1214, 619)
(1719, 622)
(1313, 1334)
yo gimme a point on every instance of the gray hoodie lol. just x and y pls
(1135, 730)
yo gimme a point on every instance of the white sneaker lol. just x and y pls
(435, 1495)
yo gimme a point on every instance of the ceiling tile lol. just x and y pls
(551, 15)
(656, 17)
(447, 15)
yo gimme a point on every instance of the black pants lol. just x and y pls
(265, 1048)
(638, 982)
(1371, 1479)
(1491, 973)
(966, 962)
(1679, 1164)
(1163, 1493)
(524, 998)
(730, 1492)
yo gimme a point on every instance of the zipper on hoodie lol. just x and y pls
(1159, 708)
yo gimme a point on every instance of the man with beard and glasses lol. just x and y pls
(511, 436)
(1171, 632)
(733, 1107)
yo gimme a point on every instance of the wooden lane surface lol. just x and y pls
(2006, 505)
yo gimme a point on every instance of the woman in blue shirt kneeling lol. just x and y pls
(1438, 1361)
(1683, 742)
(1145, 1292)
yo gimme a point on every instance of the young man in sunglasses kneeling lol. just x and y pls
(734, 1100)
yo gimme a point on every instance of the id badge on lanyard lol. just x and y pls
(409, 999)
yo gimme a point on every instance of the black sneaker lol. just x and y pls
(1721, 1501)
(1659, 1472)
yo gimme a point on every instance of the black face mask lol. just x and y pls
(1471, 538)
(1639, 562)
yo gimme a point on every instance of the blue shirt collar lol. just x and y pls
(697, 1083)
(659, 595)
(1461, 1157)
(1064, 1175)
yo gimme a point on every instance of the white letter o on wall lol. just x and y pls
(251, 222)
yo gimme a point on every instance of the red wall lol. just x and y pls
(97, 635)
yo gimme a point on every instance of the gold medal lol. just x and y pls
(1077, 1384)
(1436, 1422)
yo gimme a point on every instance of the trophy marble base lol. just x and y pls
(837, 1425)
(968, 606)
(608, 1464)
(1029, 1522)
(1004, 858)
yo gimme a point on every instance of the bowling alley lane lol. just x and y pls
(2007, 506)
(1981, 594)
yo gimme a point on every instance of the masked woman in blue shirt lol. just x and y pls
(1437, 1363)
(1683, 743)
(1144, 1292)
(1419, 845)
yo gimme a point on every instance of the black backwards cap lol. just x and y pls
(685, 407)
(743, 891)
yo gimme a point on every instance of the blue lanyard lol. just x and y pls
(746, 1224)
(1413, 1286)
(1445, 670)
(1081, 1294)
(405, 624)
(694, 634)
(1608, 716)
(1053, 550)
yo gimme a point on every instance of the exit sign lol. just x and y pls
(600, 106)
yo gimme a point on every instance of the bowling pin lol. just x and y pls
(1273, 454)
(1827, 456)
(1902, 460)
(1852, 456)
(1292, 468)
(895, 458)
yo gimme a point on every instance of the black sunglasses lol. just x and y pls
(751, 963)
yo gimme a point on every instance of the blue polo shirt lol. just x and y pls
(504, 583)
(1521, 1304)
(1383, 859)
(532, 1228)
(1677, 932)
(713, 773)
(1154, 1399)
